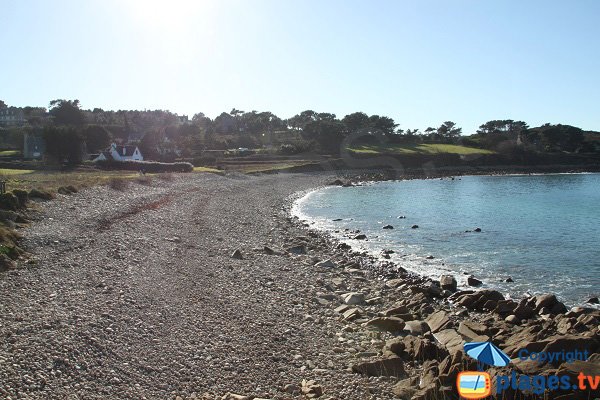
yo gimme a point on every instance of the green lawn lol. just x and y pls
(207, 169)
(7, 153)
(6, 171)
(434, 148)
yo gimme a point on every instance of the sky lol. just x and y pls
(420, 62)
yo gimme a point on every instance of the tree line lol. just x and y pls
(71, 132)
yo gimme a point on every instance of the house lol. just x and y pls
(34, 145)
(120, 153)
(12, 116)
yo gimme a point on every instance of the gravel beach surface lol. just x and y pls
(134, 294)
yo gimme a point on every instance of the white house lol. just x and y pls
(120, 153)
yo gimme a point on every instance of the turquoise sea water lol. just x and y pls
(541, 230)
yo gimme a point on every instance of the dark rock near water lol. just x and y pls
(509, 280)
(477, 230)
(388, 227)
(448, 282)
(472, 281)
(361, 236)
(593, 300)
(414, 227)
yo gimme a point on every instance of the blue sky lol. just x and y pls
(420, 62)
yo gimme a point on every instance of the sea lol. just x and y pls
(541, 231)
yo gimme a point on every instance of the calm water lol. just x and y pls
(541, 230)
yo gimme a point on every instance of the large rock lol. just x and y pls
(438, 321)
(450, 339)
(354, 298)
(393, 366)
(388, 324)
(406, 388)
(396, 311)
(448, 282)
(566, 343)
(480, 300)
(472, 281)
(417, 328)
(421, 349)
(471, 335)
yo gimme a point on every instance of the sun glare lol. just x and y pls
(171, 14)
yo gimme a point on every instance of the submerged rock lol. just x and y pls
(388, 227)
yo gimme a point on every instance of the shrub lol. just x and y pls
(67, 190)
(9, 201)
(146, 166)
(22, 195)
(40, 194)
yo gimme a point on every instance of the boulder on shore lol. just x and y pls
(448, 282)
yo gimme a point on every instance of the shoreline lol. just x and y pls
(375, 254)
(157, 304)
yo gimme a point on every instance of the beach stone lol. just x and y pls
(417, 328)
(388, 227)
(472, 281)
(311, 389)
(593, 300)
(512, 319)
(297, 249)
(448, 282)
(233, 396)
(414, 227)
(438, 321)
(237, 254)
(351, 314)
(523, 311)
(393, 366)
(389, 324)
(325, 264)
(394, 346)
(354, 298)
(268, 250)
(360, 236)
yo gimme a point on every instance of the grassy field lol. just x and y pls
(9, 153)
(419, 149)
